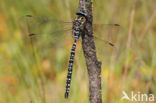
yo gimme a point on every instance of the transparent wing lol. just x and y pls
(106, 40)
(51, 40)
(106, 32)
(45, 31)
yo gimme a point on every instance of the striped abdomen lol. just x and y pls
(70, 66)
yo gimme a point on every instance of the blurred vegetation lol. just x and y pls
(38, 75)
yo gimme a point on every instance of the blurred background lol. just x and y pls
(33, 70)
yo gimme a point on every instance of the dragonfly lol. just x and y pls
(43, 25)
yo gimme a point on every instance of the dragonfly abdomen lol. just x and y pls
(70, 66)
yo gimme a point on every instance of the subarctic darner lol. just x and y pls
(42, 34)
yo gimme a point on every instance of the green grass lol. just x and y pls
(40, 78)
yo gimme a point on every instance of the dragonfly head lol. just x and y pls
(81, 17)
(82, 13)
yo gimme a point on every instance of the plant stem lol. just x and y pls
(89, 49)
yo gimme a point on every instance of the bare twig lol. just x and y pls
(93, 65)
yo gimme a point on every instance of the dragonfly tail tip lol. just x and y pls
(66, 95)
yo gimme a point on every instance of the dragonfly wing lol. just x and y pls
(47, 19)
(107, 32)
(43, 30)
(106, 36)
(51, 41)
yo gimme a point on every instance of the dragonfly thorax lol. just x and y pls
(78, 26)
